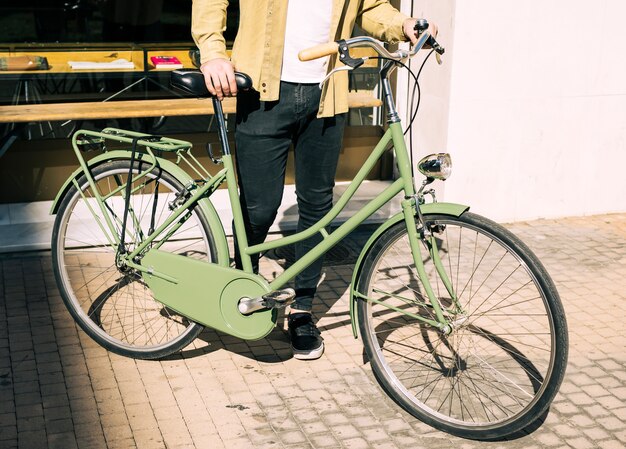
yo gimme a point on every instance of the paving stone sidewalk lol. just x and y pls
(59, 389)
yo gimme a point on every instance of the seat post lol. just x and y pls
(221, 125)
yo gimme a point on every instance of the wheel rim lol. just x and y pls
(496, 363)
(116, 304)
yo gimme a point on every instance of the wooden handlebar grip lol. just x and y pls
(318, 51)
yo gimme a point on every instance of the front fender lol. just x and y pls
(453, 209)
(205, 205)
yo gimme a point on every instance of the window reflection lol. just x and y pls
(94, 21)
(132, 20)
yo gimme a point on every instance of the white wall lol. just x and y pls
(430, 129)
(536, 111)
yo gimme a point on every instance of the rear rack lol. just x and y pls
(86, 140)
(89, 138)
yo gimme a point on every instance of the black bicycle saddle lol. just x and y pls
(191, 81)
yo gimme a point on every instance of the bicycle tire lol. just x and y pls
(113, 306)
(502, 365)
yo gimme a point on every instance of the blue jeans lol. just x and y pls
(265, 131)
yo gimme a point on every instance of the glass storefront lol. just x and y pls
(103, 31)
(101, 21)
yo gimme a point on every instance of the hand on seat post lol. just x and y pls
(219, 76)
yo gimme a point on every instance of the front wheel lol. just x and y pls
(110, 302)
(499, 364)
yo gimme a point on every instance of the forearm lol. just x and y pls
(208, 23)
(381, 20)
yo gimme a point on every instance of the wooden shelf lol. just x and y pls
(23, 113)
(58, 60)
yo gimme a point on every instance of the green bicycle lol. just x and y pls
(461, 323)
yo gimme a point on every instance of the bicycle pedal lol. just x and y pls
(272, 300)
(280, 298)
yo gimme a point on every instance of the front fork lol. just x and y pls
(418, 233)
(420, 236)
(429, 239)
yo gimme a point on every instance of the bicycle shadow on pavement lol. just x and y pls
(274, 348)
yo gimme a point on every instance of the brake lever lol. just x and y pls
(421, 25)
(439, 50)
(349, 62)
(438, 58)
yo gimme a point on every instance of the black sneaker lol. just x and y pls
(306, 342)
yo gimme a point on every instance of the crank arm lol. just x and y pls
(278, 299)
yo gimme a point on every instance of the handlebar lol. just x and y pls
(329, 48)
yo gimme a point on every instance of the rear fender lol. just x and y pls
(181, 175)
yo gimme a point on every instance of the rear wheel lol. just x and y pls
(499, 368)
(112, 304)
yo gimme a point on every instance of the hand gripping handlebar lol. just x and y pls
(329, 48)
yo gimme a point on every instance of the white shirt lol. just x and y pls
(308, 24)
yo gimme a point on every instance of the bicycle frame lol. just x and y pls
(404, 183)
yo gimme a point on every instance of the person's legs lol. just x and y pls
(317, 146)
(262, 137)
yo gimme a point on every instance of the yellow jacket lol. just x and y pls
(258, 47)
